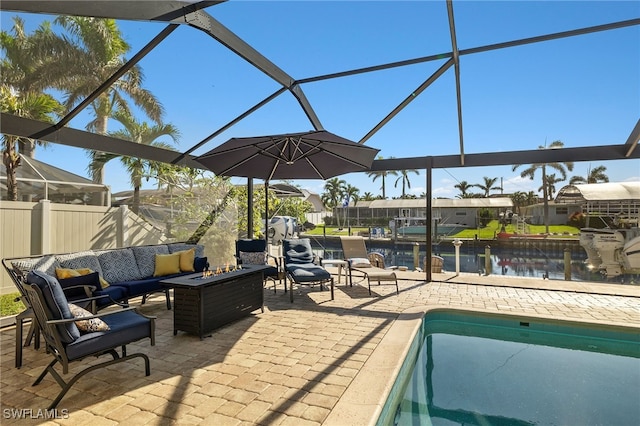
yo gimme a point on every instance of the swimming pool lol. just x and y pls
(464, 368)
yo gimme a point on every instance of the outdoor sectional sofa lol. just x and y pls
(120, 274)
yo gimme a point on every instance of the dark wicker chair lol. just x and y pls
(66, 343)
(302, 266)
(245, 248)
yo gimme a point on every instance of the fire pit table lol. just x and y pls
(203, 302)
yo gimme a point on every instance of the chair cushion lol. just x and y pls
(56, 302)
(167, 264)
(253, 257)
(125, 327)
(360, 262)
(118, 265)
(87, 325)
(307, 273)
(78, 293)
(250, 245)
(298, 251)
(146, 258)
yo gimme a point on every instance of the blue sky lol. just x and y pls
(582, 90)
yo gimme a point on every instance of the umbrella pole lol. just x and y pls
(250, 208)
(266, 212)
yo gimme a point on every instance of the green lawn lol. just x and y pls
(487, 233)
(8, 305)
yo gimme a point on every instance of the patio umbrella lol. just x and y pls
(307, 155)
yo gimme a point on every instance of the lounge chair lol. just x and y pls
(357, 257)
(302, 266)
(73, 334)
(254, 252)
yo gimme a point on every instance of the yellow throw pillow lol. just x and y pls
(186, 260)
(167, 264)
(63, 273)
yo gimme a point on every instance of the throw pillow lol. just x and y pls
(64, 273)
(360, 262)
(89, 325)
(167, 264)
(200, 264)
(253, 257)
(81, 280)
(186, 260)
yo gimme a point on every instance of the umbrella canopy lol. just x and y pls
(307, 155)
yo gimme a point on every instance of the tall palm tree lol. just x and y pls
(463, 187)
(404, 178)
(488, 186)
(351, 194)
(142, 133)
(90, 51)
(334, 190)
(594, 175)
(382, 174)
(561, 168)
(551, 185)
(18, 97)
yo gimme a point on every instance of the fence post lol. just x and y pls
(567, 264)
(45, 226)
(487, 260)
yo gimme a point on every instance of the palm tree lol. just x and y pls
(463, 187)
(18, 97)
(142, 133)
(367, 196)
(595, 175)
(91, 50)
(382, 174)
(519, 199)
(550, 182)
(561, 168)
(335, 189)
(351, 193)
(404, 177)
(488, 185)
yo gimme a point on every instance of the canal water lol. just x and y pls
(523, 260)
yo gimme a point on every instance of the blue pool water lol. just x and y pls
(495, 370)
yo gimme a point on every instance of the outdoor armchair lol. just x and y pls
(357, 257)
(254, 252)
(302, 266)
(73, 334)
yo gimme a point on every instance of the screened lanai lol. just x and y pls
(40, 181)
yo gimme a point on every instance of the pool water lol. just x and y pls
(490, 370)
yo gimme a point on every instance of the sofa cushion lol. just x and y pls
(167, 264)
(79, 260)
(46, 264)
(146, 258)
(114, 292)
(87, 325)
(56, 302)
(176, 247)
(200, 264)
(118, 265)
(144, 286)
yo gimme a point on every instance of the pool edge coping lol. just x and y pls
(363, 400)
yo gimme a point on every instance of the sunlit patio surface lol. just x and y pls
(315, 361)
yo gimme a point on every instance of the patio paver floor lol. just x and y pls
(290, 365)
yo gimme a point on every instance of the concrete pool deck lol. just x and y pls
(315, 361)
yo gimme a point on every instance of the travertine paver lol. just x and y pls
(290, 365)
